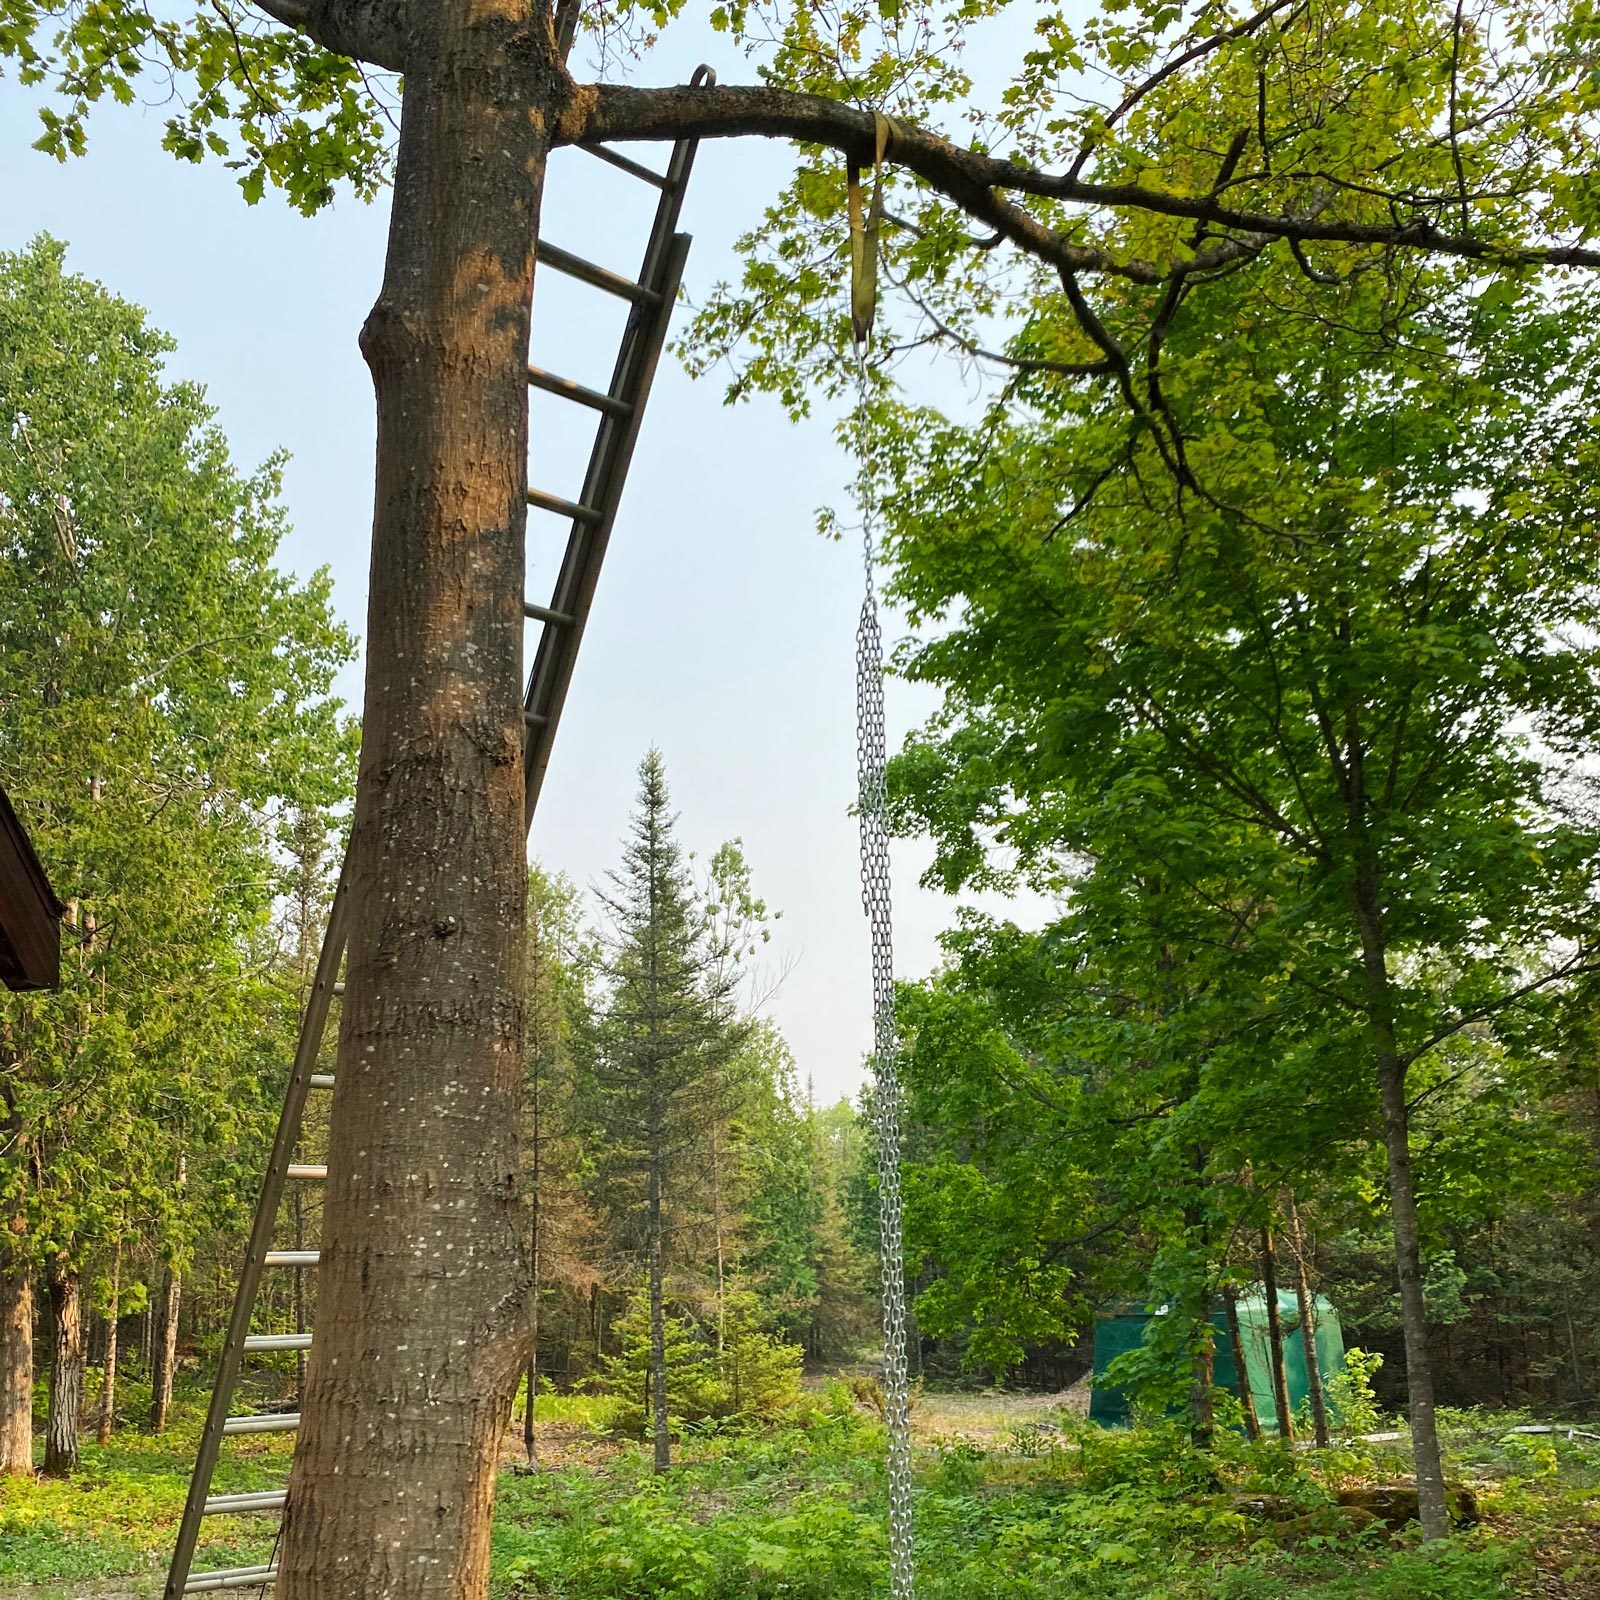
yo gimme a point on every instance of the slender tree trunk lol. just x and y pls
(16, 1366)
(1308, 1328)
(1202, 1405)
(165, 1353)
(298, 1286)
(1572, 1345)
(1432, 1512)
(716, 1219)
(66, 1376)
(108, 1384)
(658, 1320)
(1230, 1304)
(421, 1310)
(1280, 1373)
(530, 1443)
(1366, 899)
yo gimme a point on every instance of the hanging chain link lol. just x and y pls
(871, 755)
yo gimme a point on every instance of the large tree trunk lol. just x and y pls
(1307, 1302)
(108, 1382)
(1280, 1373)
(16, 1366)
(164, 1352)
(66, 1376)
(1230, 1304)
(658, 1320)
(421, 1315)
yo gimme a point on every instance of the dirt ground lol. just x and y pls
(988, 1416)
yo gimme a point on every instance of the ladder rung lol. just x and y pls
(556, 619)
(585, 396)
(292, 1258)
(230, 1578)
(563, 508)
(266, 1422)
(596, 277)
(634, 169)
(338, 988)
(534, 719)
(321, 1080)
(277, 1341)
(236, 1505)
(311, 1172)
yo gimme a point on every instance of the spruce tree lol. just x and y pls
(664, 1042)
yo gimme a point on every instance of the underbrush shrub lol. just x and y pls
(754, 1377)
(1352, 1400)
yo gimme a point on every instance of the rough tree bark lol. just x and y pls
(1308, 1327)
(66, 1375)
(421, 1314)
(164, 1350)
(1280, 1374)
(16, 1366)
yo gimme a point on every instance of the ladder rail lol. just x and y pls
(556, 655)
(308, 1047)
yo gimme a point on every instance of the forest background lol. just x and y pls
(190, 793)
(1271, 660)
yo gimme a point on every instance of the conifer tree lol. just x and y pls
(163, 698)
(666, 1036)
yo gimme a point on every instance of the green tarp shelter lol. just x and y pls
(1123, 1329)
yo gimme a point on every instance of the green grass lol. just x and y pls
(797, 1512)
(118, 1515)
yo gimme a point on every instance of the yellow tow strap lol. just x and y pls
(864, 235)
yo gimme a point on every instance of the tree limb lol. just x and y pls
(973, 181)
(373, 31)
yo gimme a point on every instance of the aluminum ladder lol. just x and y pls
(620, 411)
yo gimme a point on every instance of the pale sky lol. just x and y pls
(723, 628)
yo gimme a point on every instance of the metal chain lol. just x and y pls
(871, 755)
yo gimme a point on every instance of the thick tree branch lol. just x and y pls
(373, 31)
(976, 182)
